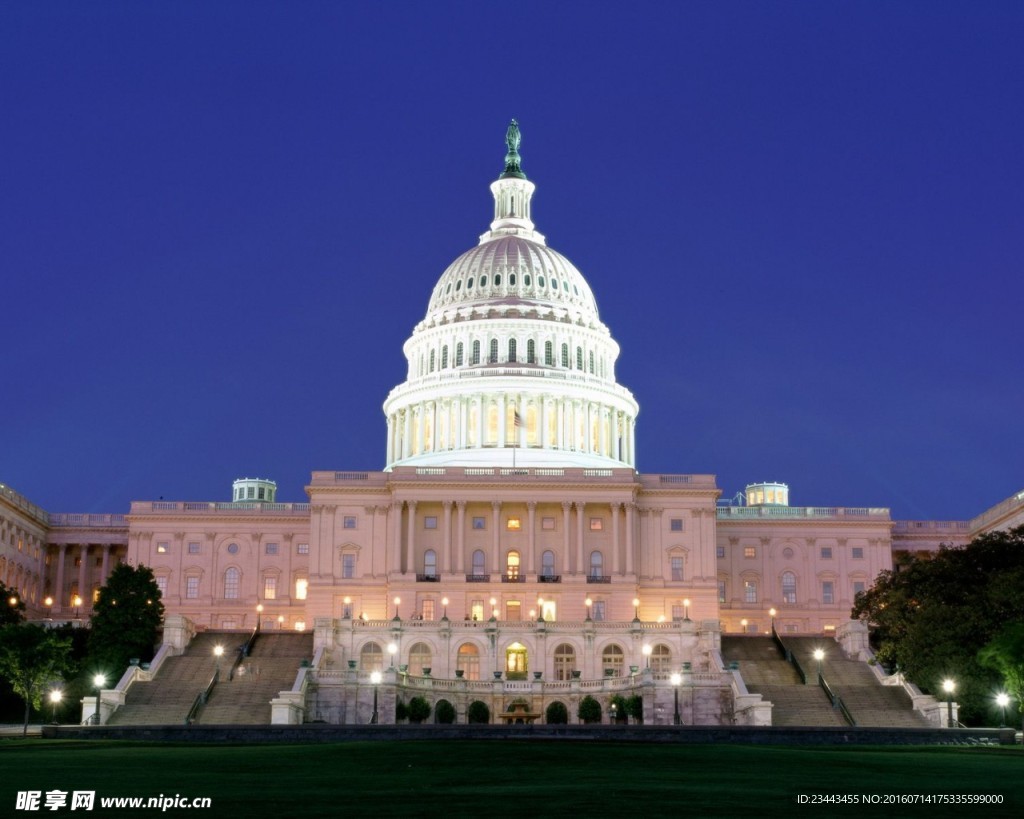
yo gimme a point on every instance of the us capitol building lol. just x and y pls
(509, 550)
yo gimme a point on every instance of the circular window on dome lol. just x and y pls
(469, 283)
(483, 281)
(233, 548)
(511, 279)
(458, 285)
(526, 280)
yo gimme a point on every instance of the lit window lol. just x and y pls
(479, 523)
(548, 611)
(788, 587)
(857, 552)
(271, 548)
(721, 591)
(430, 522)
(302, 549)
(476, 609)
(301, 587)
(750, 591)
(720, 552)
(270, 588)
(826, 552)
(677, 568)
(513, 524)
(750, 551)
(427, 609)
(512, 565)
(828, 592)
(468, 661)
(676, 525)
(348, 566)
(565, 661)
(547, 524)
(349, 522)
(161, 549)
(596, 524)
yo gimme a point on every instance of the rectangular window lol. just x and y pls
(348, 566)
(271, 548)
(596, 524)
(750, 591)
(827, 591)
(599, 609)
(750, 551)
(302, 549)
(301, 587)
(269, 588)
(547, 524)
(720, 552)
(191, 587)
(161, 583)
(676, 525)
(479, 523)
(721, 591)
(263, 493)
(349, 522)
(678, 612)
(476, 609)
(430, 522)
(826, 552)
(428, 609)
(677, 568)
(513, 610)
(193, 548)
(161, 549)
(858, 587)
(513, 524)
(857, 552)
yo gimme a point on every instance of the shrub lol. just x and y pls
(444, 712)
(478, 712)
(635, 707)
(401, 711)
(419, 710)
(619, 706)
(556, 714)
(589, 710)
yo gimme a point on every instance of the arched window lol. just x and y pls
(430, 563)
(479, 565)
(547, 564)
(494, 351)
(511, 279)
(475, 358)
(661, 658)
(549, 354)
(444, 358)
(596, 564)
(531, 352)
(468, 661)
(231, 578)
(371, 657)
(565, 356)
(512, 350)
(788, 587)
(613, 658)
(579, 358)
(590, 361)
(565, 661)
(419, 658)
(458, 354)
(433, 360)
(512, 565)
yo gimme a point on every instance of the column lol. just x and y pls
(615, 507)
(410, 555)
(105, 569)
(630, 512)
(83, 568)
(446, 567)
(496, 520)
(588, 420)
(58, 593)
(560, 425)
(567, 556)
(580, 565)
(632, 442)
(531, 518)
(501, 420)
(421, 427)
(396, 534)
(460, 525)
(407, 434)
(391, 440)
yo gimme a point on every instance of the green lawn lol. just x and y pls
(502, 778)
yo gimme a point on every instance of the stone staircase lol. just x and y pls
(272, 667)
(870, 703)
(166, 699)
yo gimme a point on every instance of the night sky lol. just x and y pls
(219, 222)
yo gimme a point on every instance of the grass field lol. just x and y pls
(504, 778)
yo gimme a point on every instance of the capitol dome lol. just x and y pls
(511, 364)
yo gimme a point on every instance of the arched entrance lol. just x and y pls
(516, 665)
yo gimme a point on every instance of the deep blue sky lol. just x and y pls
(219, 222)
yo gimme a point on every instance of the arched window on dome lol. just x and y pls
(497, 280)
(469, 283)
(565, 356)
(579, 358)
(494, 351)
(511, 279)
(540, 281)
(483, 282)
(531, 351)
(444, 358)
(526, 279)
(458, 354)
(590, 361)
(433, 359)
(475, 357)
(549, 354)
(512, 350)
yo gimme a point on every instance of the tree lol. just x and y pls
(126, 618)
(444, 712)
(931, 615)
(32, 659)
(589, 710)
(1005, 654)
(478, 712)
(556, 714)
(419, 710)
(619, 706)
(12, 606)
(635, 707)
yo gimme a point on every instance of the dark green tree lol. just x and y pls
(930, 616)
(478, 712)
(635, 707)
(401, 711)
(619, 706)
(556, 714)
(1005, 654)
(33, 659)
(12, 606)
(444, 712)
(589, 710)
(126, 619)
(419, 710)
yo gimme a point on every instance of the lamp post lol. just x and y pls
(636, 609)
(444, 605)
(346, 612)
(613, 713)
(686, 608)
(540, 609)
(280, 621)
(57, 695)
(397, 601)
(647, 649)
(218, 652)
(743, 625)
(99, 681)
(1002, 700)
(375, 678)
(772, 613)
(676, 679)
(819, 655)
(259, 616)
(392, 650)
(588, 602)
(494, 609)
(949, 686)
(76, 601)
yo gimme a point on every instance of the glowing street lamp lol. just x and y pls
(588, 602)
(772, 613)
(444, 604)
(675, 680)
(494, 609)
(540, 609)
(397, 601)
(76, 601)
(218, 652)
(259, 616)
(1002, 700)
(57, 695)
(392, 650)
(99, 681)
(647, 649)
(280, 621)
(819, 655)
(375, 678)
(949, 686)
(636, 609)
(686, 608)
(347, 611)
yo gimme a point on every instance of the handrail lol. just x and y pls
(201, 698)
(790, 657)
(837, 701)
(244, 650)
